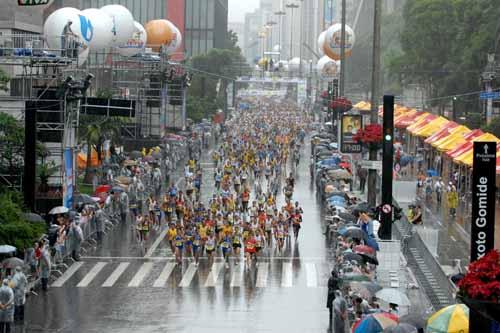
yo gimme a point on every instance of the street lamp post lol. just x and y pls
(280, 14)
(292, 6)
(301, 38)
(270, 25)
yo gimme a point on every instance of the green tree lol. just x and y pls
(11, 144)
(4, 80)
(493, 127)
(94, 130)
(445, 45)
(212, 72)
(14, 229)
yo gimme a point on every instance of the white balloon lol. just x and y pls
(294, 64)
(53, 28)
(328, 68)
(175, 44)
(123, 23)
(333, 41)
(277, 48)
(321, 43)
(136, 43)
(103, 28)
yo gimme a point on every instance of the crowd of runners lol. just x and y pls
(249, 208)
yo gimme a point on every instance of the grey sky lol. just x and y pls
(238, 8)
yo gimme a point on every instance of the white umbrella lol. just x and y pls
(392, 295)
(58, 210)
(4, 249)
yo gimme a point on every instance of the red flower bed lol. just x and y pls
(372, 133)
(482, 281)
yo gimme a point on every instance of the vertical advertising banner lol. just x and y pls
(351, 124)
(483, 199)
(68, 178)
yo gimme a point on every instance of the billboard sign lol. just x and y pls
(483, 199)
(351, 124)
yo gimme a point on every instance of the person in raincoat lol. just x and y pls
(100, 219)
(75, 236)
(452, 197)
(6, 307)
(124, 206)
(45, 266)
(19, 283)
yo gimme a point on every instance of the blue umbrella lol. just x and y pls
(432, 173)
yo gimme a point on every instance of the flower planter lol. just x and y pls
(488, 309)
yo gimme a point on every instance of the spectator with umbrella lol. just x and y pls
(44, 264)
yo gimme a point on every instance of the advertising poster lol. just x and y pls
(68, 178)
(351, 124)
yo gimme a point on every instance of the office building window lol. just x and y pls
(210, 14)
(196, 14)
(189, 14)
(203, 13)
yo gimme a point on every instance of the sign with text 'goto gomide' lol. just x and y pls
(483, 199)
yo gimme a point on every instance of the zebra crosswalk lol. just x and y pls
(164, 273)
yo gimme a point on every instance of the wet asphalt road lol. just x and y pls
(115, 288)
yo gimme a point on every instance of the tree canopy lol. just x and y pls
(445, 44)
(211, 74)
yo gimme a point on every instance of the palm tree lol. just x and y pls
(96, 130)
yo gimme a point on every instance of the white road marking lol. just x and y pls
(262, 273)
(91, 274)
(166, 258)
(157, 242)
(164, 275)
(68, 274)
(111, 280)
(141, 274)
(312, 276)
(188, 276)
(237, 278)
(214, 274)
(286, 275)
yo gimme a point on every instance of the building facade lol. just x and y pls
(205, 25)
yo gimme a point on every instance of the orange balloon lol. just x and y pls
(335, 56)
(160, 33)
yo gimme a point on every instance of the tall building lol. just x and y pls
(16, 20)
(205, 25)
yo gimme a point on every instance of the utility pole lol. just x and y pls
(342, 51)
(372, 174)
(292, 6)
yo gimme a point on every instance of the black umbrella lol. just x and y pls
(353, 232)
(347, 217)
(83, 199)
(350, 256)
(414, 319)
(369, 258)
(362, 206)
(117, 189)
(34, 218)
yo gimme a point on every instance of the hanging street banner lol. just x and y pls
(32, 2)
(351, 124)
(483, 199)
(68, 178)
